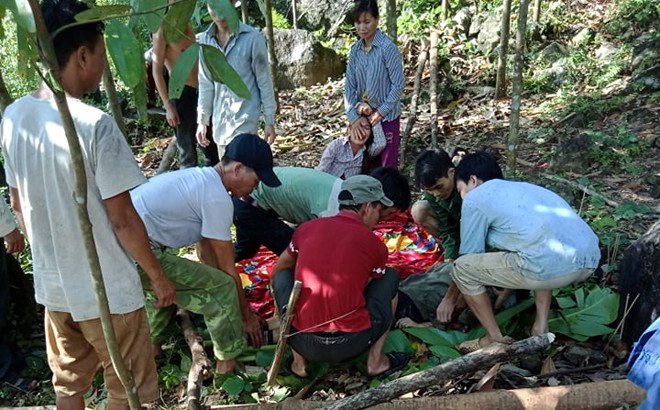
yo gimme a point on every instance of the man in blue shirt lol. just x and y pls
(541, 243)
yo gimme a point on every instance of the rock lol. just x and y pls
(645, 67)
(584, 36)
(583, 356)
(463, 20)
(531, 363)
(324, 14)
(573, 154)
(640, 275)
(606, 52)
(302, 61)
(552, 52)
(486, 27)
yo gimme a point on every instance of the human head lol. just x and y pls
(81, 43)
(395, 186)
(365, 17)
(475, 169)
(364, 195)
(254, 153)
(434, 172)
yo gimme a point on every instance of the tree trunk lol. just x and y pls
(168, 157)
(514, 124)
(412, 115)
(481, 359)
(5, 97)
(80, 195)
(113, 100)
(500, 84)
(391, 20)
(244, 11)
(433, 87)
(445, 9)
(271, 51)
(201, 364)
(536, 12)
(294, 11)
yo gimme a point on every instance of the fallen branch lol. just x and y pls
(168, 157)
(201, 364)
(583, 188)
(412, 116)
(284, 333)
(481, 359)
(433, 88)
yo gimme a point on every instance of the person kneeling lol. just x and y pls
(348, 295)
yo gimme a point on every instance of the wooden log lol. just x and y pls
(168, 157)
(586, 190)
(201, 365)
(284, 333)
(433, 86)
(412, 116)
(481, 359)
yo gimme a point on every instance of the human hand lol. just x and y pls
(445, 310)
(15, 241)
(172, 115)
(164, 290)
(270, 134)
(375, 118)
(358, 132)
(201, 136)
(252, 327)
(364, 109)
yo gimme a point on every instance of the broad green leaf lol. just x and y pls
(565, 302)
(22, 14)
(3, 13)
(176, 19)
(126, 53)
(264, 357)
(444, 352)
(437, 337)
(589, 318)
(225, 10)
(99, 13)
(223, 72)
(140, 96)
(186, 362)
(155, 11)
(181, 70)
(234, 385)
(27, 54)
(397, 342)
(280, 393)
(579, 297)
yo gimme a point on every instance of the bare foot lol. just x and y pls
(538, 330)
(299, 368)
(408, 322)
(225, 366)
(380, 366)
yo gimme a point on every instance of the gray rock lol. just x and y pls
(645, 67)
(324, 14)
(584, 356)
(584, 36)
(573, 154)
(303, 61)
(606, 52)
(463, 20)
(489, 31)
(552, 52)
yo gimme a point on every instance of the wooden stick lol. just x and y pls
(583, 188)
(200, 362)
(284, 333)
(433, 88)
(412, 116)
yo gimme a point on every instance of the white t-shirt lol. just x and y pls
(181, 207)
(7, 223)
(39, 165)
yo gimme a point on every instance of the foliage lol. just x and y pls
(627, 18)
(586, 314)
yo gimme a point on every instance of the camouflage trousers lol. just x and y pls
(204, 290)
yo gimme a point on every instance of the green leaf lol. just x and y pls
(152, 19)
(437, 337)
(140, 97)
(234, 385)
(181, 70)
(397, 342)
(27, 54)
(186, 362)
(590, 317)
(22, 14)
(225, 10)
(630, 210)
(99, 13)
(223, 72)
(280, 393)
(264, 357)
(565, 302)
(126, 53)
(444, 352)
(176, 19)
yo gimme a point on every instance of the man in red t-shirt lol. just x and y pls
(348, 296)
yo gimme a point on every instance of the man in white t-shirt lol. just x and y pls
(40, 175)
(194, 206)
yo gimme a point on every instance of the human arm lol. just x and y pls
(453, 299)
(448, 228)
(351, 93)
(262, 73)
(205, 96)
(132, 236)
(379, 142)
(220, 255)
(13, 237)
(286, 261)
(394, 69)
(157, 67)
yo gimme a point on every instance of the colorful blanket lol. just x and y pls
(411, 250)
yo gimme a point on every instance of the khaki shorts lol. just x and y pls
(473, 272)
(77, 350)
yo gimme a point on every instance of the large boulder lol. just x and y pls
(302, 60)
(323, 14)
(645, 66)
(486, 27)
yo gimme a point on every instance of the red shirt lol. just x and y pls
(336, 257)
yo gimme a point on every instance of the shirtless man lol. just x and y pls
(181, 113)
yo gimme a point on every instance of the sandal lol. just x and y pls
(288, 366)
(473, 345)
(398, 360)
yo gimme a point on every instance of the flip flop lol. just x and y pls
(288, 366)
(398, 360)
(473, 345)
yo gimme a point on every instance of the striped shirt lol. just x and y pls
(232, 115)
(378, 73)
(338, 158)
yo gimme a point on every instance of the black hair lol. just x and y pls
(356, 208)
(431, 165)
(365, 6)
(395, 186)
(480, 164)
(59, 13)
(368, 162)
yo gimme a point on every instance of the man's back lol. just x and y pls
(38, 164)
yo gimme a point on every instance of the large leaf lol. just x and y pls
(225, 10)
(181, 70)
(436, 337)
(126, 53)
(22, 14)
(176, 19)
(140, 96)
(397, 342)
(153, 10)
(234, 385)
(103, 13)
(444, 352)
(223, 72)
(27, 54)
(590, 317)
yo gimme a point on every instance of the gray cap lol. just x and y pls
(361, 189)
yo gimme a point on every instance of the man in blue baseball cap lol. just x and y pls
(194, 206)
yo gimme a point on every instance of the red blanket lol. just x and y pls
(411, 251)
